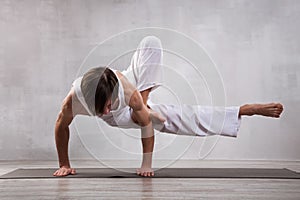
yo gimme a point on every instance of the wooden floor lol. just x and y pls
(147, 188)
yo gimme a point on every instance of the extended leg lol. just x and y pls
(208, 120)
(198, 120)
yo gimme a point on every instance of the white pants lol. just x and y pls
(145, 71)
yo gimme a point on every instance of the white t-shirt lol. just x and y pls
(144, 72)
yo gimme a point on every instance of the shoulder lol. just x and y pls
(119, 74)
(67, 102)
(72, 106)
(133, 97)
(131, 94)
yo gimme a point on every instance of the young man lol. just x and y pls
(121, 99)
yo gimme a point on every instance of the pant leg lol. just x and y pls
(145, 70)
(193, 120)
(198, 120)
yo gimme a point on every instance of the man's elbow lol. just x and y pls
(136, 101)
(63, 120)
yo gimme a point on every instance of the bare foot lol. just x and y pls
(268, 110)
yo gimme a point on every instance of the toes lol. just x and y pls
(279, 106)
(276, 105)
(279, 110)
(276, 114)
(273, 105)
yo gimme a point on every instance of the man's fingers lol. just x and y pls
(157, 117)
(145, 173)
(68, 171)
(73, 172)
(57, 173)
(151, 173)
(64, 172)
(161, 118)
(148, 174)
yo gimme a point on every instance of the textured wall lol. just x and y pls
(255, 45)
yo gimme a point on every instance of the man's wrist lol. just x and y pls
(65, 165)
(147, 160)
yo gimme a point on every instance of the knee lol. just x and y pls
(152, 41)
(133, 117)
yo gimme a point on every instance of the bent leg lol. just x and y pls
(145, 69)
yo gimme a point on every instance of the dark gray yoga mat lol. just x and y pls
(160, 173)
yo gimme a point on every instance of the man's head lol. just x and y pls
(99, 87)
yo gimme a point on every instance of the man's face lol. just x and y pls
(109, 105)
(107, 108)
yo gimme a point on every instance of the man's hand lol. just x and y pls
(64, 171)
(156, 117)
(145, 171)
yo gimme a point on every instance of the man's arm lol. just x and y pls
(142, 116)
(63, 121)
(147, 142)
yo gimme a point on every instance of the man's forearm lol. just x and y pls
(148, 145)
(141, 116)
(62, 141)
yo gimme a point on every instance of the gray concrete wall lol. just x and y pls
(254, 44)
